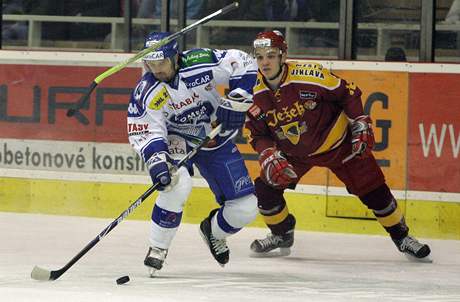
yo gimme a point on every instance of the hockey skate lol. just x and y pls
(265, 247)
(413, 249)
(155, 259)
(218, 247)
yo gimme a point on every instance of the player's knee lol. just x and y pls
(379, 198)
(242, 210)
(267, 196)
(174, 199)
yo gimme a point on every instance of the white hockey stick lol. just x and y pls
(82, 102)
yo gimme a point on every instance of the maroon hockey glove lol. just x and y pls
(362, 134)
(275, 169)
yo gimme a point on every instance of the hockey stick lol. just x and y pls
(85, 98)
(42, 274)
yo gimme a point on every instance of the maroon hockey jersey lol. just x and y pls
(307, 115)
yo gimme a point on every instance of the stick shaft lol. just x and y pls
(164, 41)
(53, 275)
(81, 103)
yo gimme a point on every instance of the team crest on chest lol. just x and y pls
(292, 132)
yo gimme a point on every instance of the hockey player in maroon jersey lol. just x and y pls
(304, 116)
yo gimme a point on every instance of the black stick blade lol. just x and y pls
(82, 102)
(40, 274)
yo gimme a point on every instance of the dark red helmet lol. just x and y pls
(270, 39)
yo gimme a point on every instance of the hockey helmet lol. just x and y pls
(166, 51)
(271, 39)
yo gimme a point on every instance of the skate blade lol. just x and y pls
(153, 272)
(426, 259)
(281, 252)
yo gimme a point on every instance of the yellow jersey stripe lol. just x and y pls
(336, 135)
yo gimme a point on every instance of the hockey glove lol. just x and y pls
(275, 169)
(231, 114)
(162, 171)
(362, 134)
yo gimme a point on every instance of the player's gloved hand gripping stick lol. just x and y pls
(84, 100)
(39, 273)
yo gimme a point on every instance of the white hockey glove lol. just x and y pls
(231, 114)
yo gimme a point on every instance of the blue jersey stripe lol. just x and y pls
(155, 145)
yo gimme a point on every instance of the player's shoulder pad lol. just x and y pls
(151, 93)
(144, 85)
(311, 73)
(138, 96)
(197, 56)
(260, 85)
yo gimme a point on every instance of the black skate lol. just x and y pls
(155, 259)
(263, 247)
(413, 249)
(218, 247)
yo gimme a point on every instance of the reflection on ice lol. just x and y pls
(322, 266)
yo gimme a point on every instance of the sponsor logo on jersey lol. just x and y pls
(137, 129)
(286, 114)
(184, 103)
(310, 105)
(307, 95)
(197, 57)
(219, 54)
(308, 72)
(247, 59)
(198, 79)
(200, 113)
(309, 65)
(134, 109)
(158, 101)
(242, 183)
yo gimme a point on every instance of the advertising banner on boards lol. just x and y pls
(434, 133)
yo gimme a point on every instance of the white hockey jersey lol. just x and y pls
(177, 115)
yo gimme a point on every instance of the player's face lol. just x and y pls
(163, 70)
(268, 60)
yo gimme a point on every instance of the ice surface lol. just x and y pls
(322, 266)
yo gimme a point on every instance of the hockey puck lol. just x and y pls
(122, 280)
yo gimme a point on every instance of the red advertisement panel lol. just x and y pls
(434, 133)
(34, 100)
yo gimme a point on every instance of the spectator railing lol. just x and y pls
(202, 37)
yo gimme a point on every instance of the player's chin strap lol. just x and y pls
(278, 73)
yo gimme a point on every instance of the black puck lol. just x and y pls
(122, 280)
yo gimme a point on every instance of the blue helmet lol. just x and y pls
(166, 51)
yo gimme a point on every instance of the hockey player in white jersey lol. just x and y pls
(172, 108)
